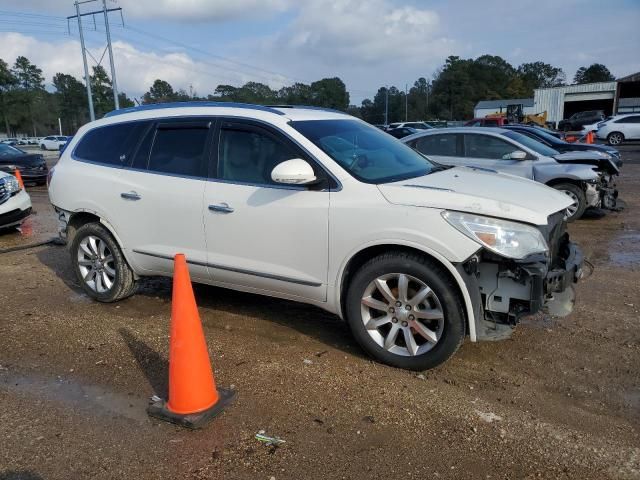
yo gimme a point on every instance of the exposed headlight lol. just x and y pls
(509, 239)
(602, 154)
(11, 184)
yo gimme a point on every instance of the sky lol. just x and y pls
(198, 44)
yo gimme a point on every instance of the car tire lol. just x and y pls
(576, 193)
(42, 147)
(100, 266)
(615, 138)
(439, 315)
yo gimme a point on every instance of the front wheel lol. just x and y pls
(615, 138)
(577, 195)
(100, 266)
(405, 311)
(42, 147)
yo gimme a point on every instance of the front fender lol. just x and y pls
(558, 171)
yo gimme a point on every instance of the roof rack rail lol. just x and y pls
(308, 107)
(160, 106)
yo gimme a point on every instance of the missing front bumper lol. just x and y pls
(503, 291)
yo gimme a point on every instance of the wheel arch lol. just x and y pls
(359, 258)
(82, 217)
(557, 181)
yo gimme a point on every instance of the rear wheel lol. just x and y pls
(405, 311)
(100, 266)
(615, 138)
(577, 195)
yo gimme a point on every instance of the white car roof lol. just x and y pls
(274, 114)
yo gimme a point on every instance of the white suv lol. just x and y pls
(620, 128)
(52, 142)
(316, 206)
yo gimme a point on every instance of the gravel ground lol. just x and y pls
(560, 399)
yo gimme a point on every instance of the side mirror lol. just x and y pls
(293, 172)
(518, 155)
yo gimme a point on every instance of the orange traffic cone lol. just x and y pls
(19, 178)
(193, 397)
(591, 138)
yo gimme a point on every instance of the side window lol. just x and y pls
(110, 145)
(486, 146)
(249, 155)
(633, 119)
(180, 149)
(444, 145)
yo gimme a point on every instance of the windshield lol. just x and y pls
(9, 151)
(367, 153)
(534, 145)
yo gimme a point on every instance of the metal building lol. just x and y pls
(562, 102)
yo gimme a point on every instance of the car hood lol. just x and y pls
(471, 190)
(26, 160)
(587, 157)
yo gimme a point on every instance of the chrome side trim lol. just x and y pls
(235, 270)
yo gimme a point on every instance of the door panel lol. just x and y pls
(163, 197)
(487, 151)
(260, 234)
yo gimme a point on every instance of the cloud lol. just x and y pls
(353, 31)
(135, 69)
(176, 10)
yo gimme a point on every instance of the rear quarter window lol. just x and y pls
(111, 144)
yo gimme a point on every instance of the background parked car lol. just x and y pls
(502, 150)
(52, 142)
(32, 166)
(580, 119)
(545, 136)
(416, 125)
(619, 128)
(15, 203)
(402, 132)
(487, 122)
(10, 141)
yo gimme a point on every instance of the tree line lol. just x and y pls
(27, 106)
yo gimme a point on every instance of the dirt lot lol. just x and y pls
(560, 399)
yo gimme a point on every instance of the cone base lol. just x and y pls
(192, 420)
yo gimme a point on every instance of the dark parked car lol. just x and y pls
(580, 119)
(402, 132)
(550, 140)
(32, 166)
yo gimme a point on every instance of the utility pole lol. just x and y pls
(113, 68)
(60, 126)
(406, 102)
(87, 79)
(105, 11)
(386, 106)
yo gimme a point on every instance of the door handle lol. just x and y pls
(130, 195)
(221, 207)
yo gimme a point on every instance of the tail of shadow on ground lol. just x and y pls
(153, 365)
(19, 475)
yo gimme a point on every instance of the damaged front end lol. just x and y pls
(600, 192)
(504, 290)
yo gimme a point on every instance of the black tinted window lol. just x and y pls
(632, 119)
(249, 156)
(486, 146)
(111, 144)
(444, 145)
(180, 149)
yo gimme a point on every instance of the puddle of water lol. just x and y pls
(624, 251)
(93, 398)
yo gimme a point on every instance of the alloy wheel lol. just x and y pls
(402, 314)
(615, 139)
(573, 208)
(96, 264)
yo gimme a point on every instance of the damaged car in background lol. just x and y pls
(587, 177)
